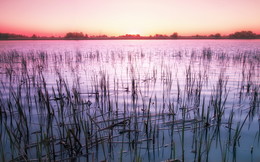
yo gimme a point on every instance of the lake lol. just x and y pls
(130, 100)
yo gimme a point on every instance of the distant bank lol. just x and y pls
(81, 36)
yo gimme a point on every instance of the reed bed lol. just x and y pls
(198, 105)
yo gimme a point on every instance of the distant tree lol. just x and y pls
(4, 36)
(160, 36)
(215, 36)
(74, 35)
(243, 35)
(101, 36)
(174, 35)
(130, 36)
(197, 36)
(34, 36)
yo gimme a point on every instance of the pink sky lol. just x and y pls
(118, 17)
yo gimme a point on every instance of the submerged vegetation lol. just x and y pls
(198, 105)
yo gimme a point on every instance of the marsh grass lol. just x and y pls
(122, 106)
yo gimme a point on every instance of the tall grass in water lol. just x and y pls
(133, 106)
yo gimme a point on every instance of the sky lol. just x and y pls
(119, 17)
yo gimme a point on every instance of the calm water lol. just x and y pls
(181, 99)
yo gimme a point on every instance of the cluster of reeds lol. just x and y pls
(127, 105)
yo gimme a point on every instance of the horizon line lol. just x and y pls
(122, 35)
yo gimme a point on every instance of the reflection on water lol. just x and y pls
(131, 100)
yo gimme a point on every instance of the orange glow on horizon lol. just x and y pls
(116, 17)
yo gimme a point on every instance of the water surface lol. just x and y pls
(149, 100)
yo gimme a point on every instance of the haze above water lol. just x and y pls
(149, 100)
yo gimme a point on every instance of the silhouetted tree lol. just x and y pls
(197, 36)
(4, 36)
(174, 35)
(34, 36)
(74, 35)
(130, 36)
(215, 36)
(160, 36)
(243, 35)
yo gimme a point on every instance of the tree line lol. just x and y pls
(175, 35)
